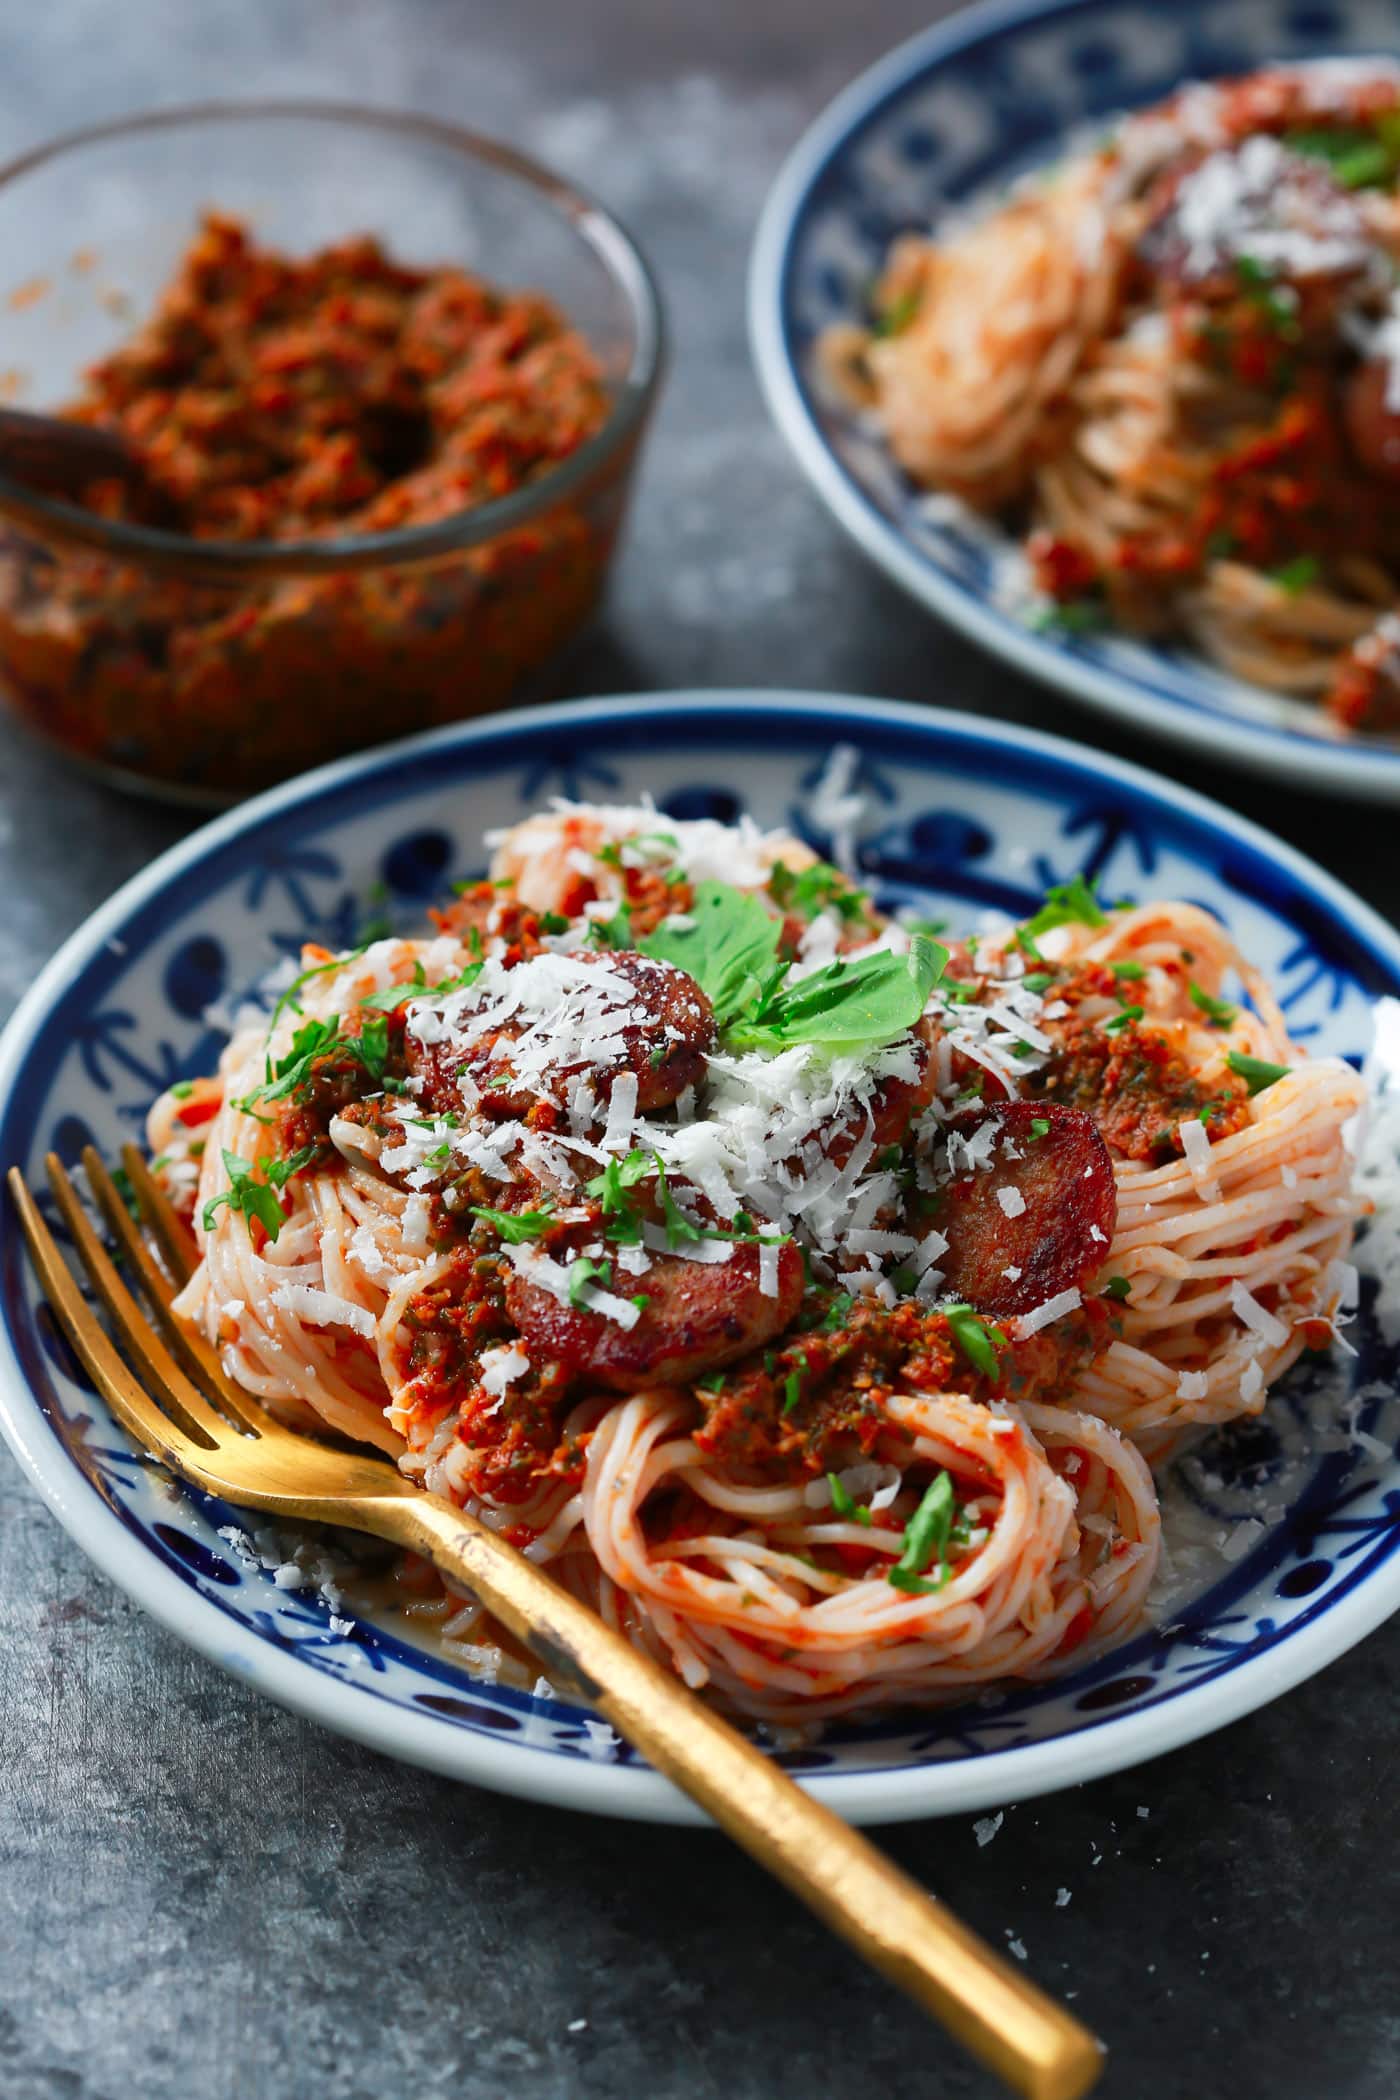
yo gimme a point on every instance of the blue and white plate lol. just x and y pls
(952, 115)
(965, 816)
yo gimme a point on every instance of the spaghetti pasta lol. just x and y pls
(1172, 366)
(810, 1297)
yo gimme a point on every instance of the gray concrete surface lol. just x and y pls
(200, 1895)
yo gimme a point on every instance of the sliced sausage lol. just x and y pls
(667, 1029)
(699, 1316)
(1051, 1161)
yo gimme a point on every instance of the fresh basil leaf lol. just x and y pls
(868, 1001)
(727, 941)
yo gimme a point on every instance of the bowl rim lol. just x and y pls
(600, 229)
(1358, 765)
(1113, 1742)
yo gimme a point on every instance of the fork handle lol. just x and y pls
(1036, 2046)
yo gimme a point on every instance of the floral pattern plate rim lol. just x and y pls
(952, 114)
(968, 815)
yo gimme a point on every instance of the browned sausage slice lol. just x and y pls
(1051, 1161)
(699, 1316)
(667, 1030)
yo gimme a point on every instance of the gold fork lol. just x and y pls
(165, 1385)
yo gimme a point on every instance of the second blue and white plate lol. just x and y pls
(955, 114)
(963, 816)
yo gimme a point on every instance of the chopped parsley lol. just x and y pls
(1358, 158)
(808, 891)
(1256, 1072)
(1128, 972)
(1040, 1126)
(792, 1386)
(896, 317)
(1071, 616)
(977, 1338)
(516, 1226)
(1071, 903)
(1117, 1287)
(1122, 1019)
(836, 1312)
(584, 1273)
(553, 922)
(254, 1198)
(289, 997)
(1258, 285)
(927, 1536)
(610, 1189)
(311, 1044)
(1296, 576)
(1218, 1012)
(844, 1502)
(615, 932)
(182, 1090)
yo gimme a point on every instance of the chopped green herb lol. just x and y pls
(807, 891)
(1119, 1021)
(641, 1299)
(679, 1230)
(254, 1198)
(1128, 972)
(553, 922)
(515, 1227)
(615, 932)
(1258, 286)
(1040, 1126)
(610, 1188)
(1071, 903)
(1072, 616)
(182, 1089)
(289, 997)
(1256, 1072)
(584, 1273)
(896, 317)
(926, 1540)
(836, 1312)
(792, 1386)
(1296, 576)
(1359, 159)
(977, 1338)
(1038, 980)
(844, 1502)
(1218, 1012)
(1117, 1287)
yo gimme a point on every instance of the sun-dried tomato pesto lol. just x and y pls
(817, 1403)
(1137, 1087)
(274, 399)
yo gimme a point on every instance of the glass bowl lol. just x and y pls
(205, 669)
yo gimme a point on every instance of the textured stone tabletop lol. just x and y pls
(203, 1896)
